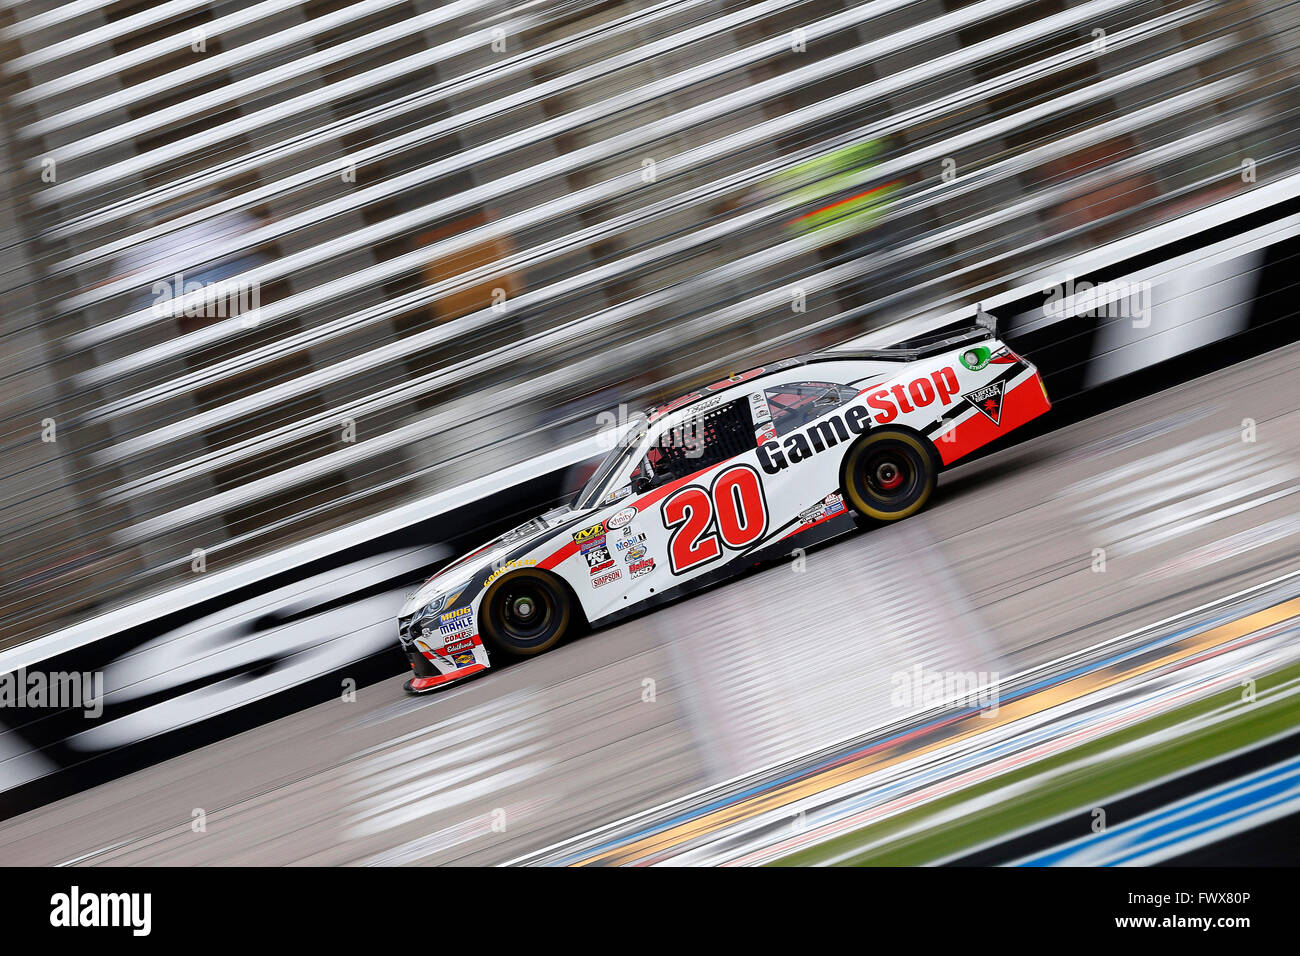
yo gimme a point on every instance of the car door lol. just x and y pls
(790, 407)
(699, 502)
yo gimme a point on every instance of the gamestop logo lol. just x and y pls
(887, 403)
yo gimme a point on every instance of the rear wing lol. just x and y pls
(984, 326)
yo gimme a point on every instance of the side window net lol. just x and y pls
(701, 441)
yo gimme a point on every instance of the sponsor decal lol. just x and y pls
(976, 358)
(674, 404)
(601, 580)
(456, 624)
(618, 493)
(799, 446)
(887, 404)
(636, 554)
(465, 645)
(833, 505)
(621, 520)
(629, 541)
(509, 566)
(642, 567)
(586, 534)
(765, 434)
(591, 544)
(463, 659)
(598, 558)
(988, 400)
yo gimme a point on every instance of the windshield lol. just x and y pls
(614, 472)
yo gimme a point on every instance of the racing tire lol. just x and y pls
(889, 475)
(525, 612)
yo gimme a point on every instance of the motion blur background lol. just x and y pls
(451, 234)
(299, 299)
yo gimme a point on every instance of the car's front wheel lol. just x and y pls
(889, 475)
(525, 613)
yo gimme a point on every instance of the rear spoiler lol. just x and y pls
(984, 326)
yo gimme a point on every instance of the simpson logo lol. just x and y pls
(642, 567)
(988, 400)
(606, 578)
(586, 534)
(621, 520)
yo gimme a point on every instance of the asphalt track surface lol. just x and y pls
(1001, 572)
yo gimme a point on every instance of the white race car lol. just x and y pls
(726, 477)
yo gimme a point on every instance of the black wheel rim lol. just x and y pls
(527, 610)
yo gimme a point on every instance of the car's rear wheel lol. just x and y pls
(889, 475)
(526, 612)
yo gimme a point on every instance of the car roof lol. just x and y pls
(909, 351)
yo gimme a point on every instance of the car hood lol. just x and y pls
(459, 572)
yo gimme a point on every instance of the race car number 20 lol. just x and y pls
(730, 513)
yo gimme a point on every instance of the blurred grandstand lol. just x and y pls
(273, 268)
